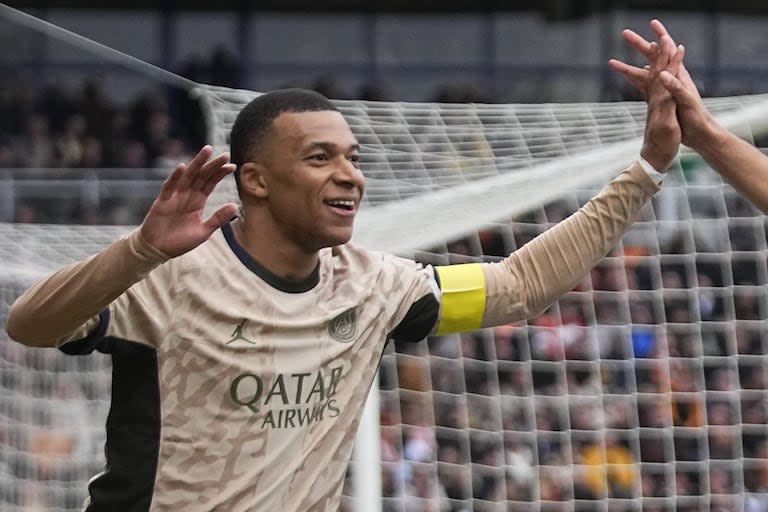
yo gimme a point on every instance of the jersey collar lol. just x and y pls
(281, 283)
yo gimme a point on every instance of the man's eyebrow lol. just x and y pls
(330, 147)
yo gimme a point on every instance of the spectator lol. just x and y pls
(609, 470)
(92, 153)
(69, 146)
(34, 148)
(98, 111)
(133, 155)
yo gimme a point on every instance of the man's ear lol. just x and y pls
(253, 180)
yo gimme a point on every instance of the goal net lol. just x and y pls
(642, 389)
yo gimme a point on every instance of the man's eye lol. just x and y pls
(321, 157)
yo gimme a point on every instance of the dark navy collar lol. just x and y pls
(281, 283)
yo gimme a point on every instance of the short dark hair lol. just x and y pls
(255, 119)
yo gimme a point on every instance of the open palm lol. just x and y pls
(691, 112)
(174, 223)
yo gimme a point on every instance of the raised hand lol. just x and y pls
(638, 76)
(738, 162)
(174, 223)
(694, 119)
(662, 130)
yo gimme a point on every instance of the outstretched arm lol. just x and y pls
(530, 279)
(738, 162)
(54, 308)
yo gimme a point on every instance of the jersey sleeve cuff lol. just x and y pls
(655, 175)
(144, 250)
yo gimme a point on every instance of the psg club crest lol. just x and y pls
(344, 327)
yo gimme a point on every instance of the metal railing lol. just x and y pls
(72, 196)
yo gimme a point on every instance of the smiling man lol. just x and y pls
(243, 348)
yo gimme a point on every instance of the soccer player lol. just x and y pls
(741, 164)
(243, 348)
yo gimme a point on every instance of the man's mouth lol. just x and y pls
(343, 204)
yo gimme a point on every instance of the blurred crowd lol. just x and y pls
(648, 380)
(66, 127)
(52, 412)
(84, 134)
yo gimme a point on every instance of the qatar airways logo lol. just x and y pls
(289, 400)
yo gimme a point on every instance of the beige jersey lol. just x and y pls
(236, 390)
(251, 387)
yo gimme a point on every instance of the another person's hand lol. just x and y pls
(174, 224)
(695, 121)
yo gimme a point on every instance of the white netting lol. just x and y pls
(476, 163)
(659, 355)
(642, 389)
(654, 368)
(52, 415)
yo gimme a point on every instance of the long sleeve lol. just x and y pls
(54, 308)
(531, 278)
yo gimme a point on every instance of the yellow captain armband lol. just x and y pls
(463, 298)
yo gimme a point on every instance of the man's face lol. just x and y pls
(314, 184)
